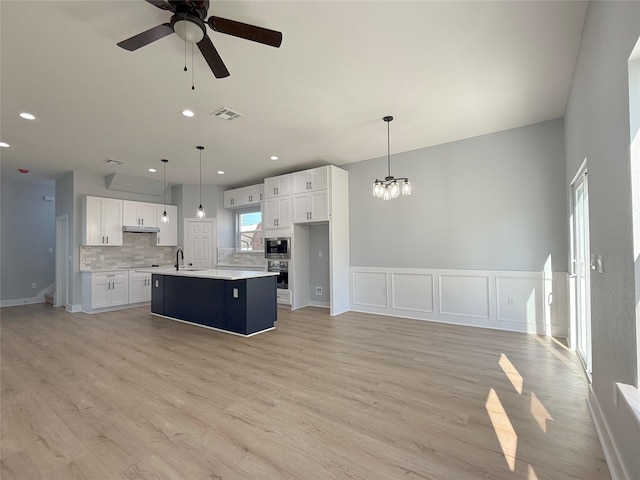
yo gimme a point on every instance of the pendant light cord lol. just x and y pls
(388, 149)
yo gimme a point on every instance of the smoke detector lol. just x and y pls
(226, 114)
(111, 161)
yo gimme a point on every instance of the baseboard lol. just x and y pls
(617, 469)
(73, 308)
(14, 302)
(319, 304)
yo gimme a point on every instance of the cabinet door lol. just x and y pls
(270, 213)
(168, 234)
(319, 206)
(157, 294)
(284, 211)
(130, 213)
(232, 198)
(251, 195)
(318, 178)
(112, 221)
(93, 221)
(100, 291)
(301, 209)
(277, 186)
(120, 290)
(299, 182)
(147, 214)
(309, 180)
(139, 287)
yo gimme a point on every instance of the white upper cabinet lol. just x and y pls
(139, 214)
(168, 234)
(311, 207)
(277, 212)
(277, 186)
(252, 195)
(310, 180)
(233, 198)
(102, 221)
(243, 197)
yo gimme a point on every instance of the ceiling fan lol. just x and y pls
(188, 22)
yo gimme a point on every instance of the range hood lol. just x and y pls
(139, 229)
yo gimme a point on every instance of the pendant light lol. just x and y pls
(200, 213)
(165, 217)
(390, 187)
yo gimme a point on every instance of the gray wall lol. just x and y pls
(187, 197)
(597, 128)
(494, 202)
(28, 232)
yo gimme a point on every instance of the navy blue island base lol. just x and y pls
(234, 302)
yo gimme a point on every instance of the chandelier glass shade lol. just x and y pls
(390, 187)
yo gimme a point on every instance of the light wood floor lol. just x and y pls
(126, 396)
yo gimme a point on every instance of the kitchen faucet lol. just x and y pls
(181, 253)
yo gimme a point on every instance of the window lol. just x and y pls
(249, 231)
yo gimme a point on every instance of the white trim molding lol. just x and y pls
(617, 469)
(518, 301)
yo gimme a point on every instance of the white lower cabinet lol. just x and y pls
(283, 296)
(109, 289)
(139, 287)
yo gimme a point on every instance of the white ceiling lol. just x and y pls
(445, 70)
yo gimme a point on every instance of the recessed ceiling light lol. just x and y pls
(4, 145)
(273, 157)
(188, 113)
(28, 116)
(152, 170)
(220, 172)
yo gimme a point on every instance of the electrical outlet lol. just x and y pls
(320, 254)
(318, 290)
(511, 301)
(34, 285)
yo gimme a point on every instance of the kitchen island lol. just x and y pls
(241, 302)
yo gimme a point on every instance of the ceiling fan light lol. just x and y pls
(189, 31)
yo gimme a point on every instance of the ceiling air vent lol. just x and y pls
(226, 114)
(111, 161)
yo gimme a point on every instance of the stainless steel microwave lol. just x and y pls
(277, 247)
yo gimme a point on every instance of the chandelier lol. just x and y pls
(391, 186)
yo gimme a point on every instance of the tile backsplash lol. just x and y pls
(231, 256)
(137, 250)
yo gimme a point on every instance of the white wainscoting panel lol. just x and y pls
(412, 291)
(464, 295)
(369, 289)
(531, 302)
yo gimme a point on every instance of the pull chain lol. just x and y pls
(193, 81)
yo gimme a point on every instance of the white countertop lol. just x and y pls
(213, 273)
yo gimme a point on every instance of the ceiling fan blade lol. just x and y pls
(246, 31)
(145, 38)
(163, 4)
(213, 58)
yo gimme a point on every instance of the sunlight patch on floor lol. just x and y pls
(503, 427)
(511, 372)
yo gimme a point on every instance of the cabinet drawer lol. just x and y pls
(284, 297)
